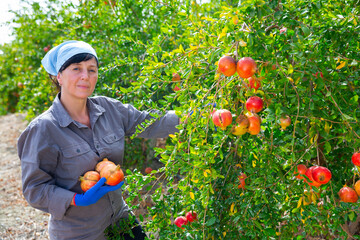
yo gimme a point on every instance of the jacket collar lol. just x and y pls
(63, 117)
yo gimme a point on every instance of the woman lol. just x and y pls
(70, 138)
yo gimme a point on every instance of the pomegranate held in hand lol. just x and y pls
(180, 221)
(348, 194)
(246, 67)
(191, 216)
(89, 179)
(254, 104)
(222, 118)
(227, 66)
(102, 164)
(113, 174)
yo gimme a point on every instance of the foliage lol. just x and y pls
(307, 55)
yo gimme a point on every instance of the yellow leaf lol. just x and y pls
(242, 43)
(254, 163)
(290, 79)
(171, 135)
(301, 211)
(255, 156)
(232, 207)
(354, 21)
(154, 216)
(224, 234)
(206, 172)
(327, 127)
(238, 165)
(277, 233)
(192, 196)
(342, 64)
(299, 202)
(195, 181)
(223, 32)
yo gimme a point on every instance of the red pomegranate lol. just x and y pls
(246, 67)
(89, 179)
(113, 174)
(102, 164)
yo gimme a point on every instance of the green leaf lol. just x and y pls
(211, 221)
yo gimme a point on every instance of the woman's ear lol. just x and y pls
(59, 79)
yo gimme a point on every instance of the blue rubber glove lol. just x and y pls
(96, 192)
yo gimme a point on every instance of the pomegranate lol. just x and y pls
(348, 194)
(285, 122)
(89, 179)
(254, 123)
(102, 164)
(222, 118)
(191, 216)
(242, 178)
(356, 159)
(148, 170)
(254, 83)
(113, 174)
(357, 187)
(180, 221)
(246, 67)
(227, 66)
(176, 77)
(241, 127)
(311, 181)
(301, 169)
(254, 104)
(321, 174)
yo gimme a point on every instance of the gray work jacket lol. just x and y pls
(55, 150)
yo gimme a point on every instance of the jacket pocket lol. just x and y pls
(75, 150)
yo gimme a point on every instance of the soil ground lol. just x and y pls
(17, 219)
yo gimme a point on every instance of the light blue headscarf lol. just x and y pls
(58, 55)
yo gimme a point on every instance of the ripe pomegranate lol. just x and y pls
(311, 181)
(254, 104)
(285, 122)
(89, 179)
(356, 159)
(254, 83)
(357, 187)
(113, 174)
(191, 216)
(246, 67)
(222, 118)
(254, 123)
(321, 174)
(301, 169)
(102, 164)
(148, 170)
(242, 178)
(180, 221)
(348, 194)
(227, 66)
(176, 77)
(241, 127)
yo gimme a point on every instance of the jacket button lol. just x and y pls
(78, 150)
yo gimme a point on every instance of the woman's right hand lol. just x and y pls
(92, 195)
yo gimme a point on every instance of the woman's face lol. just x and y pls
(78, 80)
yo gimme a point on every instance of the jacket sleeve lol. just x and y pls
(160, 127)
(38, 163)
